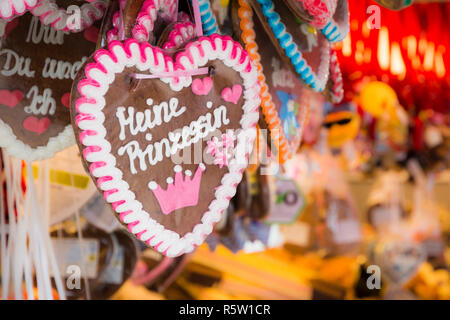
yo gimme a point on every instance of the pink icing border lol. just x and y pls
(147, 16)
(180, 31)
(145, 19)
(100, 75)
(337, 88)
(88, 14)
(27, 4)
(320, 10)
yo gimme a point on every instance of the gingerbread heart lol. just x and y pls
(154, 14)
(68, 15)
(283, 95)
(177, 34)
(317, 13)
(37, 67)
(339, 26)
(139, 148)
(146, 19)
(305, 50)
(10, 9)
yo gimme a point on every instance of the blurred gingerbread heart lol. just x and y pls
(38, 64)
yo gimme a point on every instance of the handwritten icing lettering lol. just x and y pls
(177, 140)
(142, 121)
(40, 104)
(57, 69)
(15, 64)
(38, 32)
(281, 77)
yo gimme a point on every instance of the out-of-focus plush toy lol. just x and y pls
(380, 101)
(342, 123)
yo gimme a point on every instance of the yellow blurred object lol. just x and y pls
(430, 283)
(380, 100)
(262, 275)
(377, 98)
(130, 291)
(273, 274)
(343, 126)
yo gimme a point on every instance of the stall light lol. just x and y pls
(439, 65)
(428, 60)
(365, 29)
(411, 45)
(347, 46)
(359, 53)
(416, 63)
(367, 55)
(422, 46)
(354, 25)
(383, 48)
(397, 64)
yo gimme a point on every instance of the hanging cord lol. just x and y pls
(36, 237)
(81, 242)
(51, 253)
(176, 272)
(27, 261)
(151, 276)
(197, 18)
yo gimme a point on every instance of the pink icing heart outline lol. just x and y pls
(10, 27)
(36, 125)
(98, 76)
(17, 8)
(232, 94)
(202, 87)
(10, 99)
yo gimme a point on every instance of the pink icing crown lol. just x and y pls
(181, 193)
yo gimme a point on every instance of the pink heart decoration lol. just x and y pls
(202, 87)
(36, 125)
(233, 94)
(10, 99)
(91, 34)
(65, 99)
(10, 26)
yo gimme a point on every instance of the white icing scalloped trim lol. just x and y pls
(145, 19)
(49, 13)
(181, 33)
(12, 8)
(20, 150)
(148, 15)
(150, 59)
